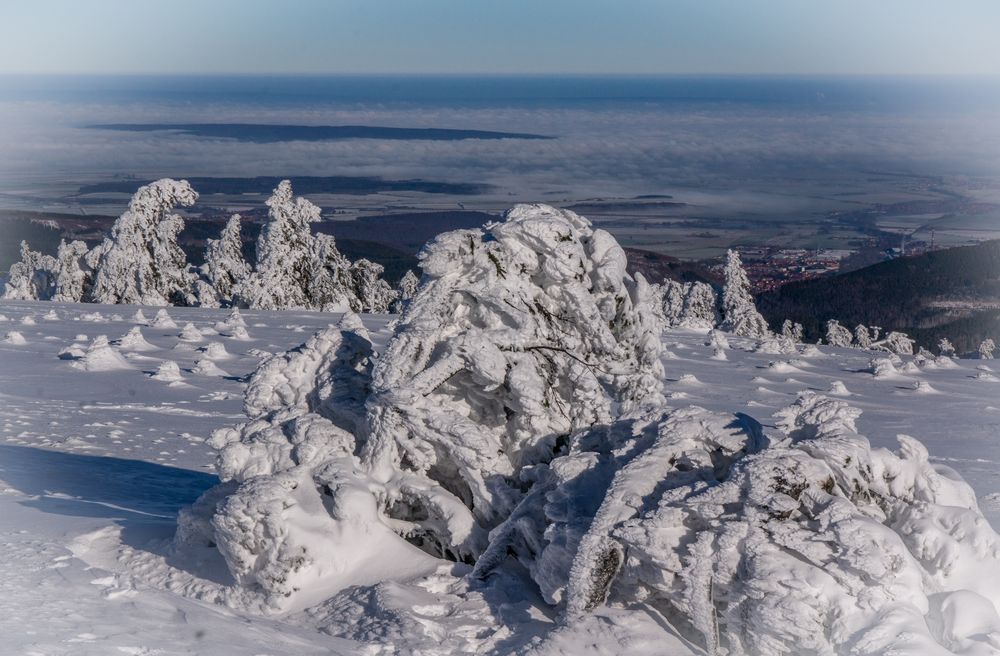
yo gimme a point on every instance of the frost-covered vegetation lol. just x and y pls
(140, 262)
(516, 426)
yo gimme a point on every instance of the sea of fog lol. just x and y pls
(791, 137)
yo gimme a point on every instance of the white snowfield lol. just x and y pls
(533, 477)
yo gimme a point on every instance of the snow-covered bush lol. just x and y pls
(141, 262)
(369, 292)
(520, 334)
(31, 278)
(690, 305)
(837, 335)
(945, 347)
(895, 342)
(804, 541)
(224, 263)
(986, 349)
(739, 313)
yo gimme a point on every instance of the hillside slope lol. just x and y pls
(953, 293)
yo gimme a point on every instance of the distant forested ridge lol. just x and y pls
(952, 293)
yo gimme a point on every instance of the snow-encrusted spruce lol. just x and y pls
(31, 278)
(838, 335)
(804, 541)
(405, 290)
(945, 347)
(281, 278)
(224, 263)
(862, 337)
(141, 262)
(519, 334)
(74, 278)
(792, 330)
(986, 349)
(690, 305)
(739, 313)
(371, 294)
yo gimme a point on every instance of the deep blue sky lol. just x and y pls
(501, 36)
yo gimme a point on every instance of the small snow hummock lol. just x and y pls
(215, 351)
(190, 333)
(163, 320)
(15, 338)
(139, 318)
(205, 367)
(101, 356)
(168, 372)
(51, 315)
(230, 322)
(27, 320)
(837, 388)
(133, 340)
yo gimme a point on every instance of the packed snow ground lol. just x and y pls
(103, 445)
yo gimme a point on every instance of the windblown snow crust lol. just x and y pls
(515, 422)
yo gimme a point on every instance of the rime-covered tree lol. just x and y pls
(224, 263)
(739, 313)
(986, 349)
(520, 334)
(896, 342)
(141, 262)
(32, 277)
(837, 335)
(792, 330)
(282, 275)
(372, 294)
(689, 305)
(945, 347)
(330, 286)
(405, 290)
(862, 337)
(73, 276)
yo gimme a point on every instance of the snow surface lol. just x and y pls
(96, 461)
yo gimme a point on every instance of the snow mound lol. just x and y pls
(168, 372)
(28, 320)
(163, 320)
(216, 351)
(15, 338)
(232, 321)
(776, 345)
(51, 315)
(139, 318)
(93, 317)
(101, 356)
(133, 340)
(190, 333)
(205, 367)
(804, 541)
(837, 388)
